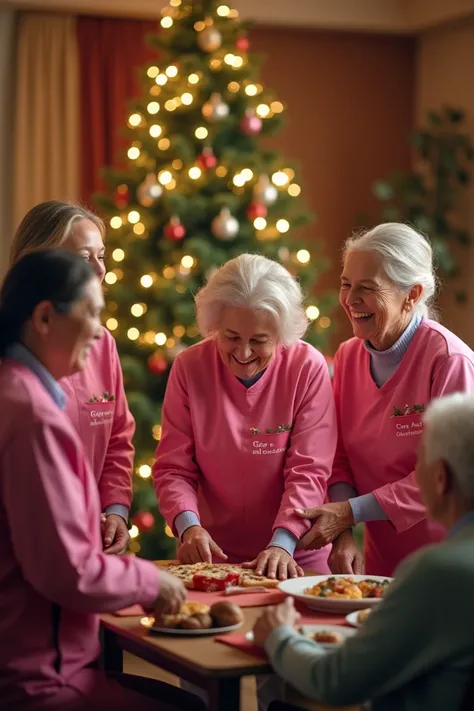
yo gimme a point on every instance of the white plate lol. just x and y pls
(310, 631)
(296, 587)
(351, 618)
(148, 623)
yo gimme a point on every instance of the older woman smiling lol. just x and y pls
(384, 378)
(249, 429)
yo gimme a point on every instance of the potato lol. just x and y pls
(363, 615)
(190, 623)
(169, 622)
(226, 614)
(328, 637)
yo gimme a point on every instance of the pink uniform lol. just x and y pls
(244, 459)
(106, 428)
(379, 433)
(54, 577)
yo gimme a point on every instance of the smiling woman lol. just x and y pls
(248, 425)
(384, 378)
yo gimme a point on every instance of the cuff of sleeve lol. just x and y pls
(275, 639)
(367, 508)
(282, 538)
(119, 510)
(185, 520)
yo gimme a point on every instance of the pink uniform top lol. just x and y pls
(379, 433)
(243, 459)
(106, 427)
(54, 576)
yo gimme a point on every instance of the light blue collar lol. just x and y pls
(19, 352)
(395, 353)
(460, 524)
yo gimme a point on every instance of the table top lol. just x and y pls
(202, 655)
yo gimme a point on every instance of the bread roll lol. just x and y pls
(226, 614)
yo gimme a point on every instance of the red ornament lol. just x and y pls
(174, 230)
(207, 159)
(250, 124)
(122, 197)
(256, 209)
(157, 364)
(144, 521)
(242, 44)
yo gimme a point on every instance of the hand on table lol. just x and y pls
(273, 617)
(275, 562)
(346, 556)
(330, 520)
(115, 535)
(197, 546)
(171, 595)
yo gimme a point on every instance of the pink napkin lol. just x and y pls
(258, 599)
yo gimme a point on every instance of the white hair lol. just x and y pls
(251, 281)
(407, 259)
(449, 437)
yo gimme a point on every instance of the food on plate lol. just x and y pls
(348, 589)
(226, 614)
(217, 577)
(198, 616)
(328, 637)
(362, 615)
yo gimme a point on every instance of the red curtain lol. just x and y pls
(111, 52)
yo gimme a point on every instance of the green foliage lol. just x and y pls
(168, 181)
(427, 196)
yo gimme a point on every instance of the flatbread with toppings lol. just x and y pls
(215, 577)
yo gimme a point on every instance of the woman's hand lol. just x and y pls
(115, 535)
(273, 617)
(274, 562)
(346, 556)
(330, 521)
(197, 546)
(171, 595)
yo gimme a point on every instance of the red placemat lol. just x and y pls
(257, 599)
(308, 617)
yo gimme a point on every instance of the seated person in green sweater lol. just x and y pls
(415, 652)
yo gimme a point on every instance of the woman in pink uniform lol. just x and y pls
(249, 429)
(384, 378)
(96, 400)
(54, 575)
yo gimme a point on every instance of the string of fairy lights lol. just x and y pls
(265, 188)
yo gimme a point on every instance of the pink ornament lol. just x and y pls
(250, 125)
(242, 44)
(174, 230)
(256, 209)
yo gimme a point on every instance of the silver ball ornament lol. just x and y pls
(225, 227)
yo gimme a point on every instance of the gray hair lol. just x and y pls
(449, 437)
(407, 259)
(251, 281)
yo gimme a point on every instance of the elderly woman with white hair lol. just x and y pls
(249, 427)
(384, 378)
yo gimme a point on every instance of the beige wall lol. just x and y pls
(7, 26)
(445, 75)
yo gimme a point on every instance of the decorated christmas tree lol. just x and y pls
(200, 187)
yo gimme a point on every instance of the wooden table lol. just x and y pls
(215, 667)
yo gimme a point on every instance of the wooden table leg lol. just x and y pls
(224, 695)
(112, 654)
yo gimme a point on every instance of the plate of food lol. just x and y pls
(218, 577)
(358, 617)
(328, 636)
(337, 593)
(195, 619)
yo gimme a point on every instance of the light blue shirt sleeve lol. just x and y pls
(367, 508)
(185, 520)
(119, 510)
(282, 538)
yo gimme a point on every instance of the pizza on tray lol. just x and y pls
(215, 577)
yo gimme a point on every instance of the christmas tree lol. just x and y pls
(198, 189)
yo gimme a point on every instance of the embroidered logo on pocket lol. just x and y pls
(105, 397)
(278, 430)
(408, 410)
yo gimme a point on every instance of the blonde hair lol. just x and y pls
(254, 282)
(48, 225)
